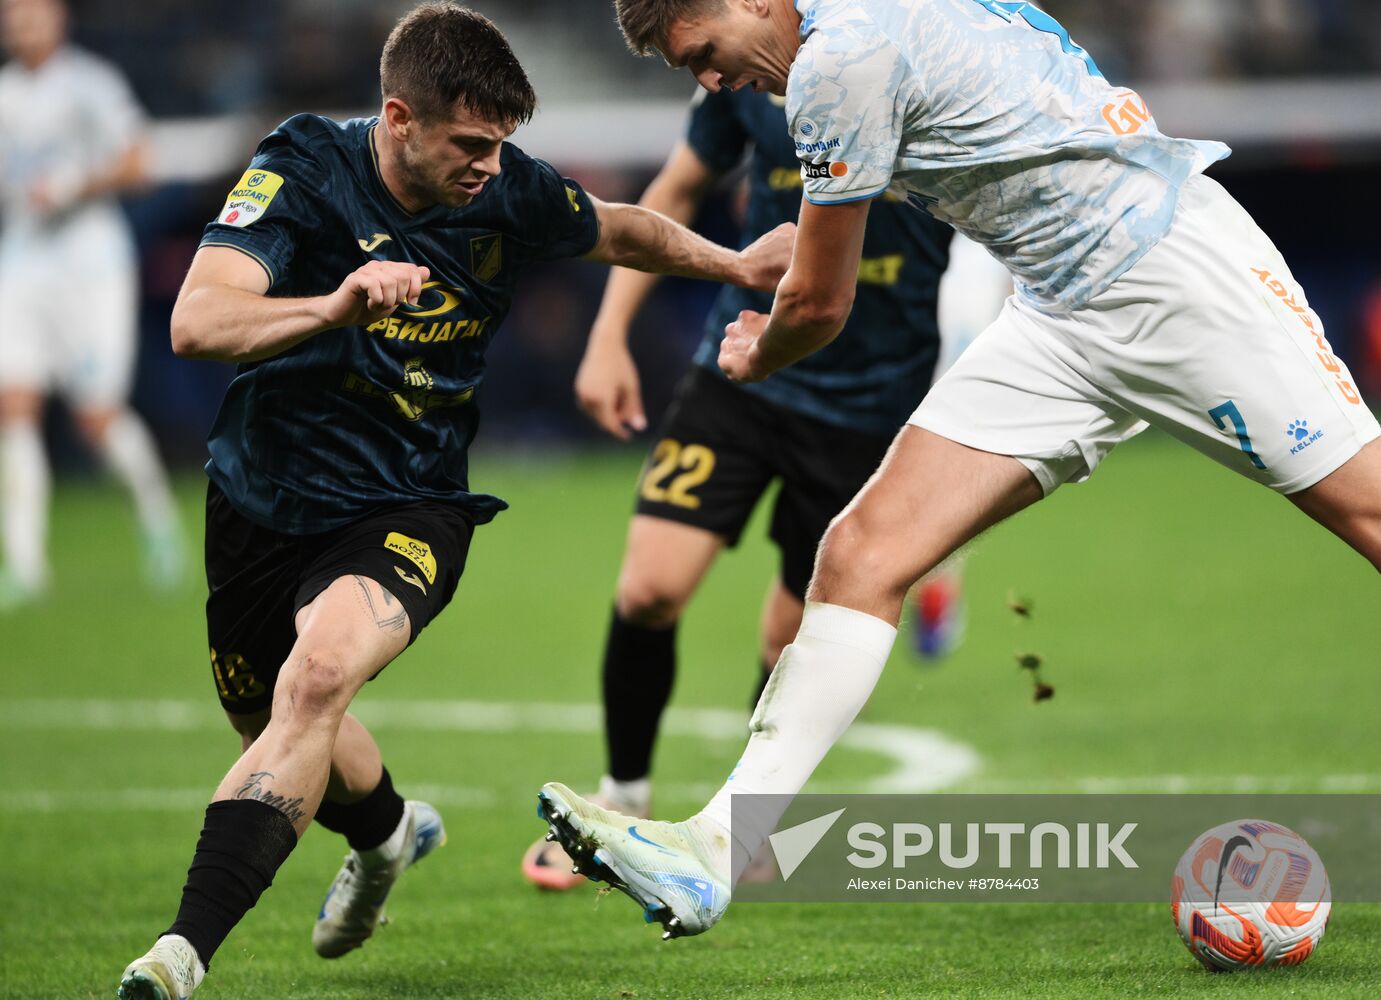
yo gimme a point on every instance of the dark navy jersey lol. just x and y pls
(873, 376)
(357, 418)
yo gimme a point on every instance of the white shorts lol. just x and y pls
(1207, 337)
(76, 337)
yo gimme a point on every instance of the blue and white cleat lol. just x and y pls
(170, 970)
(671, 870)
(354, 906)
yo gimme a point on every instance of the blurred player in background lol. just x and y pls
(1145, 295)
(820, 427)
(358, 273)
(71, 139)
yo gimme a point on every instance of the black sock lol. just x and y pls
(242, 845)
(369, 822)
(639, 668)
(762, 685)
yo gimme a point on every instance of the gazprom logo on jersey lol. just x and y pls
(819, 146)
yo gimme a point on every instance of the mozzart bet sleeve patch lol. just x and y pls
(250, 198)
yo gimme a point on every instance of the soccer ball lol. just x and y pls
(1250, 895)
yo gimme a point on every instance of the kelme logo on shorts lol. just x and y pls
(415, 552)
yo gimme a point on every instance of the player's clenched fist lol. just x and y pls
(375, 291)
(767, 258)
(738, 356)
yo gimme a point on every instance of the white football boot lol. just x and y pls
(354, 906)
(677, 872)
(170, 971)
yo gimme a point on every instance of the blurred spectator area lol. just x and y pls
(193, 57)
(1293, 85)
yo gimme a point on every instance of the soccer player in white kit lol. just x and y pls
(1145, 295)
(70, 140)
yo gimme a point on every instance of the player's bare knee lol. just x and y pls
(648, 603)
(855, 556)
(313, 688)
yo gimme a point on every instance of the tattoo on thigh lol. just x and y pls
(254, 788)
(384, 617)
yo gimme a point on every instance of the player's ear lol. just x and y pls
(399, 118)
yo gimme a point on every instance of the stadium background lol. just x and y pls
(1291, 84)
(1201, 636)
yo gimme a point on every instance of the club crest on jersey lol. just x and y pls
(250, 198)
(486, 257)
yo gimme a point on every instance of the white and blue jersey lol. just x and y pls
(870, 378)
(987, 114)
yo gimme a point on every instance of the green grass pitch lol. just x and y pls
(1199, 632)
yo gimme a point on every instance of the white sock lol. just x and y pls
(632, 797)
(25, 484)
(131, 454)
(819, 685)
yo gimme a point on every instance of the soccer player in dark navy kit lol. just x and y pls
(821, 427)
(357, 273)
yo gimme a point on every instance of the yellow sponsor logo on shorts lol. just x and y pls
(415, 552)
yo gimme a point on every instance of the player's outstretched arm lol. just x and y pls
(223, 312)
(606, 384)
(813, 300)
(631, 236)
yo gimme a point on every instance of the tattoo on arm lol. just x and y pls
(254, 788)
(384, 617)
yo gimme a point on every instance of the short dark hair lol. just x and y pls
(441, 54)
(646, 23)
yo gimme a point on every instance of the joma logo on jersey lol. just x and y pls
(1324, 353)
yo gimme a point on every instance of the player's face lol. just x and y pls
(32, 28)
(750, 43)
(449, 161)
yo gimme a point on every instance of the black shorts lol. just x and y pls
(260, 578)
(720, 447)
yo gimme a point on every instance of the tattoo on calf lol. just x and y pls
(253, 788)
(385, 620)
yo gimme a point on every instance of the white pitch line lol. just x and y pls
(922, 760)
